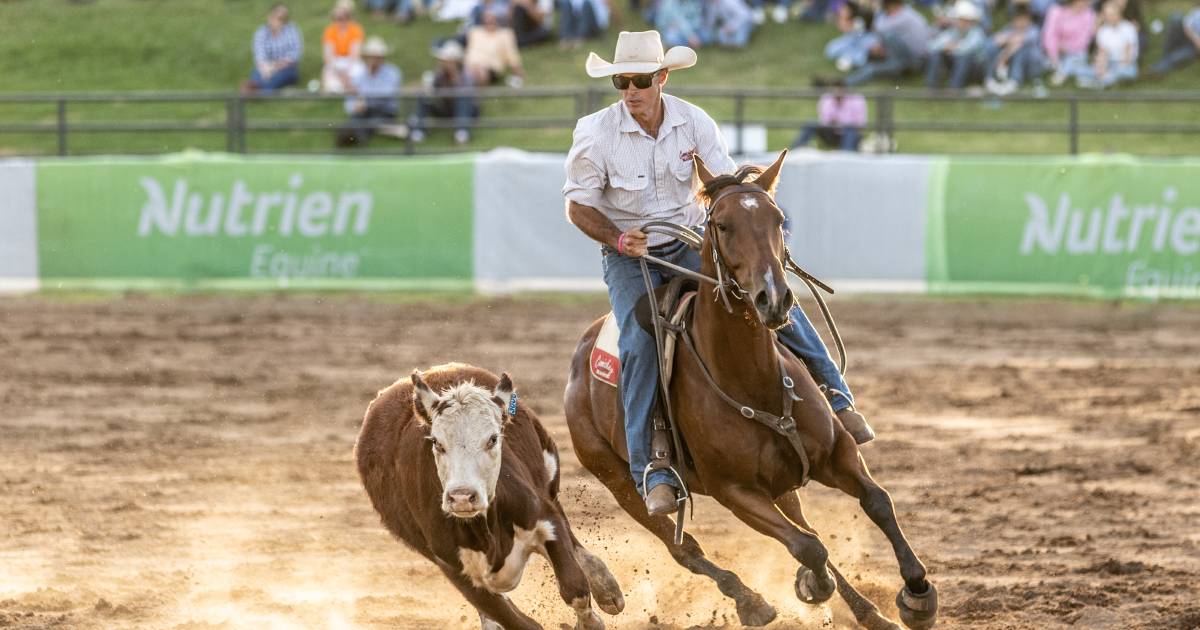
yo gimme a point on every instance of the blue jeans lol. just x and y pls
(1025, 64)
(280, 79)
(639, 359)
(736, 37)
(897, 60)
(854, 46)
(961, 68)
(1178, 50)
(576, 24)
(844, 138)
(401, 8)
(1117, 72)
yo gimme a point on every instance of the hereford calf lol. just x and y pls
(467, 477)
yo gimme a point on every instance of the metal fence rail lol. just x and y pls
(1062, 113)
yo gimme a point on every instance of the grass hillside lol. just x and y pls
(204, 45)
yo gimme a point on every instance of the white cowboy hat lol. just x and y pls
(375, 47)
(965, 10)
(450, 50)
(640, 53)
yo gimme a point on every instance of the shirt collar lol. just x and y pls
(671, 118)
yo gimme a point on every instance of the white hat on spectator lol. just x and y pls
(966, 10)
(450, 50)
(640, 53)
(341, 6)
(375, 47)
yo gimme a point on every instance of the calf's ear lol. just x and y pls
(504, 396)
(423, 398)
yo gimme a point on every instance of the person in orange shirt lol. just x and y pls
(341, 43)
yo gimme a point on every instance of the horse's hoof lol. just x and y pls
(814, 589)
(753, 610)
(605, 589)
(918, 611)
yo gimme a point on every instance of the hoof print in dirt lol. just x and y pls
(811, 589)
(918, 612)
(754, 611)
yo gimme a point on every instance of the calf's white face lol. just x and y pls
(466, 425)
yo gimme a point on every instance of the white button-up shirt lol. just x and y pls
(631, 177)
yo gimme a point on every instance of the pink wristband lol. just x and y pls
(621, 244)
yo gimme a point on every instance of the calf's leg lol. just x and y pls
(572, 582)
(492, 607)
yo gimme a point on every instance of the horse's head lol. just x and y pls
(466, 426)
(745, 235)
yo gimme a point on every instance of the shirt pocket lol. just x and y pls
(627, 189)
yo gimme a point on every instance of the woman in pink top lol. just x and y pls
(840, 118)
(1066, 35)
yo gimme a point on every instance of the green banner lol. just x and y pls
(1108, 226)
(226, 221)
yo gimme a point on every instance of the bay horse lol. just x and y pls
(748, 468)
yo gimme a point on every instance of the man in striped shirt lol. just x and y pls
(631, 163)
(278, 46)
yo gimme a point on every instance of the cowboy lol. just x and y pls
(631, 163)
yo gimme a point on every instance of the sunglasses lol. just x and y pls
(639, 81)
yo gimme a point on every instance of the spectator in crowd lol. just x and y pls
(403, 10)
(278, 46)
(958, 47)
(1181, 44)
(1131, 10)
(1037, 9)
(850, 49)
(528, 22)
(462, 108)
(341, 48)
(730, 23)
(944, 15)
(840, 118)
(581, 19)
(682, 23)
(372, 94)
(1116, 51)
(902, 47)
(1065, 38)
(1015, 55)
(491, 52)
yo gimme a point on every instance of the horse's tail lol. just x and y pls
(865, 611)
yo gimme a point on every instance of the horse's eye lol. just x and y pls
(721, 227)
(493, 441)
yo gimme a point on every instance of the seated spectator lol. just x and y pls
(341, 47)
(1131, 10)
(1015, 55)
(581, 19)
(491, 52)
(1036, 8)
(1065, 38)
(959, 47)
(903, 44)
(840, 118)
(944, 15)
(278, 46)
(1116, 51)
(461, 108)
(403, 10)
(372, 94)
(850, 49)
(527, 20)
(1181, 44)
(681, 23)
(730, 23)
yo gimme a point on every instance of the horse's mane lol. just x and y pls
(745, 174)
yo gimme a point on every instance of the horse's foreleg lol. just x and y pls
(865, 611)
(814, 583)
(917, 601)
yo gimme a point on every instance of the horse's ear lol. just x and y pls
(423, 398)
(770, 177)
(701, 170)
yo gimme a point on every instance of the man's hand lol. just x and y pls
(633, 243)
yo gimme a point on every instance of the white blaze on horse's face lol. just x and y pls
(466, 425)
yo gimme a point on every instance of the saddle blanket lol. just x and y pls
(606, 366)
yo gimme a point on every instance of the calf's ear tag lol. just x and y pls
(512, 404)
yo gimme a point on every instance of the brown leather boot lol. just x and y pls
(856, 424)
(661, 500)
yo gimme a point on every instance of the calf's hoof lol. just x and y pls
(753, 610)
(918, 611)
(605, 589)
(812, 588)
(589, 620)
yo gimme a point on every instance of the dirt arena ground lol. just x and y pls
(185, 462)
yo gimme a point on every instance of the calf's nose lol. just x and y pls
(462, 499)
